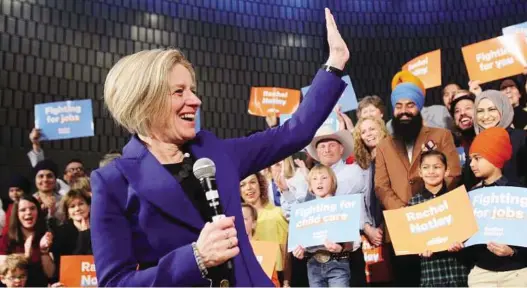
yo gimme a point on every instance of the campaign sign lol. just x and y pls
(267, 254)
(462, 155)
(197, 120)
(265, 101)
(501, 214)
(77, 271)
(432, 225)
(331, 121)
(427, 68)
(335, 219)
(518, 28)
(496, 58)
(65, 119)
(348, 99)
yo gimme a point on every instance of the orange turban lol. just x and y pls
(493, 144)
(407, 77)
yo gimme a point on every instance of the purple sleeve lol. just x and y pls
(112, 246)
(263, 149)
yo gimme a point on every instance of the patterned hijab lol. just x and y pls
(502, 104)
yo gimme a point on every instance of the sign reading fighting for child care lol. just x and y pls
(266, 253)
(348, 99)
(335, 219)
(501, 214)
(496, 58)
(265, 101)
(64, 120)
(433, 225)
(427, 68)
(518, 28)
(77, 271)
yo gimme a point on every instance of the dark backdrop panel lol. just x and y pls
(52, 50)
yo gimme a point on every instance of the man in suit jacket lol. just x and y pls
(397, 164)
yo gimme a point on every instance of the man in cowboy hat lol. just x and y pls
(331, 149)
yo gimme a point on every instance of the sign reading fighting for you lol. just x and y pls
(433, 225)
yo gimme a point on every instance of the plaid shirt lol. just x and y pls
(443, 269)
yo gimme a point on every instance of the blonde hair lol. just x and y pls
(13, 262)
(81, 183)
(289, 169)
(361, 152)
(323, 168)
(136, 90)
(107, 158)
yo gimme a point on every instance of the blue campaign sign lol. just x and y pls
(197, 120)
(462, 155)
(348, 99)
(501, 213)
(65, 119)
(331, 121)
(518, 28)
(336, 219)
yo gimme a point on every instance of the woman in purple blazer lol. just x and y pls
(150, 219)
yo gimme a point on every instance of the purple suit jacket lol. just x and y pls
(140, 214)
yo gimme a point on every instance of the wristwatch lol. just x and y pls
(333, 70)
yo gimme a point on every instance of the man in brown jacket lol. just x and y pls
(397, 163)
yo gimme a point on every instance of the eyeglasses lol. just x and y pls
(75, 169)
(14, 278)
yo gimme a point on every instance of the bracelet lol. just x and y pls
(199, 261)
(333, 70)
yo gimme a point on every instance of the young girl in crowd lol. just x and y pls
(443, 269)
(336, 271)
(27, 234)
(13, 271)
(495, 264)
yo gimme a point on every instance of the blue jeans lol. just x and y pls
(335, 273)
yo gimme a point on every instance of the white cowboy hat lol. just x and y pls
(344, 137)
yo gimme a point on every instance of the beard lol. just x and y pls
(468, 134)
(407, 130)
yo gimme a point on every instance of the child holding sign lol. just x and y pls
(328, 265)
(496, 264)
(443, 269)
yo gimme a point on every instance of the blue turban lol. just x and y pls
(408, 91)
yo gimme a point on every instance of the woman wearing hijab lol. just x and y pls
(493, 109)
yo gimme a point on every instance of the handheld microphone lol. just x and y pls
(205, 171)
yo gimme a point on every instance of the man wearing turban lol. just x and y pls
(396, 164)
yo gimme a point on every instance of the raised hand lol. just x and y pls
(474, 87)
(426, 254)
(34, 136)
(218, 242)
(45, 242)
(455, 247)
(338, 50)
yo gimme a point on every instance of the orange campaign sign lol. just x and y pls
(266, 101)
(496, 58)
(427, 68)
(78, 271)
(433, 225)
(267, 255)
